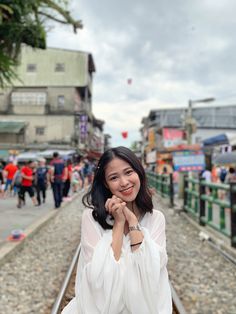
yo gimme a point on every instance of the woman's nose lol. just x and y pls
(123, 181)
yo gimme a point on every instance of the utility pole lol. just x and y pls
(190, 122)
(190, 128)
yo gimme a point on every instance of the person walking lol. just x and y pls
(1, 180)
(56, 178)
(9, 172)
(67, 178)
(27, 183)
(41, 180)
(206, 175)
(122, 264)
(78, 169)
(176, 181)
(230, 176)
(16, 184)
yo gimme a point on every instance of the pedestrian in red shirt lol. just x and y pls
(27, 182)
(9, 172)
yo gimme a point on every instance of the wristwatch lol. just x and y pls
(137, 227)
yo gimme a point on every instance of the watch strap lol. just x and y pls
(136, 227)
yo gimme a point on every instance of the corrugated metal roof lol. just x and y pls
(223, 117)
(11, 126)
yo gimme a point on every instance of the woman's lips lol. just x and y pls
(127, 191)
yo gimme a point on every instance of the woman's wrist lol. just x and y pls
(119, 224)
(133, 222)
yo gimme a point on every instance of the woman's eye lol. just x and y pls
(129, 172)
(113, 178)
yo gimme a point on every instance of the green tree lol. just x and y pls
(134, 146)
(23, 22)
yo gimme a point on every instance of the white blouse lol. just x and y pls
(135, 284)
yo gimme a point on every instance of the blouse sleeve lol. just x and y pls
(99, 275)
(148, 290)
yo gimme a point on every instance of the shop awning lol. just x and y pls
(221, 139)
(65, 154)
(11, 126)
(26, 156)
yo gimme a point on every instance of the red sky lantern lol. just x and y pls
(124, 134)
(129, 81)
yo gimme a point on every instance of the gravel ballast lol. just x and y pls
(30, 281)
(204, 281)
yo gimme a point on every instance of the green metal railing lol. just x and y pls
(209, 202)
(163, 184)
(191, 196)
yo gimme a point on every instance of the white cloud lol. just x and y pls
(173, 53)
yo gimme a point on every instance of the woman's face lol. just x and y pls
(122, 180)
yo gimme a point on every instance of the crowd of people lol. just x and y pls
(63, 177)
(218, 174)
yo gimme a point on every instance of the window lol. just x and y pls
(31, 67)
(60, 101)
(29, 98)
(60, 67)
(39, 130)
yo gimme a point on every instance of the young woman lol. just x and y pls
(122, 265)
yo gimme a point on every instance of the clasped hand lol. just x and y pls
(118, 209)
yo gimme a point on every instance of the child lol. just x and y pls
(122, 265)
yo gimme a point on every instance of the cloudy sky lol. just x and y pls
(172, 50)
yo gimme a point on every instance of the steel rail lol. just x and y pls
(177, 304)
(59, 299)
(223, 253)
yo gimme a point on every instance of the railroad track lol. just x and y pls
(67, 290)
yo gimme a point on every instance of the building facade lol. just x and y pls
(206, 122)
(52, 99)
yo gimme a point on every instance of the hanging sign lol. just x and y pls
(189, 161)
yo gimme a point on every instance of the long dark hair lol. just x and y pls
(99, 193)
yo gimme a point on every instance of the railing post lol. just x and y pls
(196, 200)
(162, 186)
(171, 190)
(233, 212)
(185, 192)
(222, 210)
(202, 206)
(156, 182)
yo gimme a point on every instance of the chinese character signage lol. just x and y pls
(189, 161)
(83, 126)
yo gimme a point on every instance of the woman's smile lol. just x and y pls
(127, 191)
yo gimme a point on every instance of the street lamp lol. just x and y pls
(190, 123)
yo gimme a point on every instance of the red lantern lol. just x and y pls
(124, 134)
